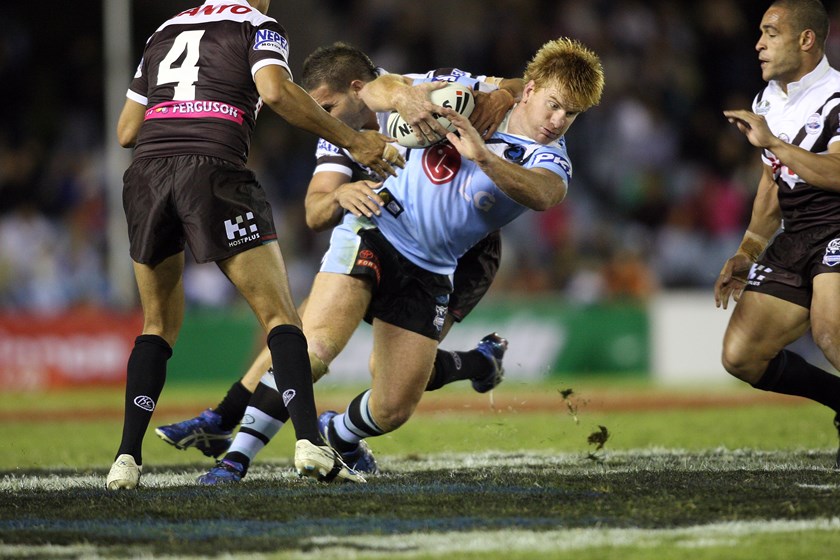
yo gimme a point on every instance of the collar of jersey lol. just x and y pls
(806, 82)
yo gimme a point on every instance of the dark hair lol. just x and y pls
(807, 14)
(336, 66)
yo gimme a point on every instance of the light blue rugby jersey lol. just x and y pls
(443, 204)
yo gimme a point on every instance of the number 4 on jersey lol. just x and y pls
(186, 75)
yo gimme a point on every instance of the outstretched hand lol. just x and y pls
(490, 110)
(415, 107)
(732, 279)
(375, 151)
(753, 126)
(467, 141)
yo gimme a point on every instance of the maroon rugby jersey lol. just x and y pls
(196, 80)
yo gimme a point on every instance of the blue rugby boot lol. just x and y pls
(493, 347)
(360, 459)
(225, 472)
(202, 432)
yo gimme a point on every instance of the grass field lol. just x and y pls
(626, 471)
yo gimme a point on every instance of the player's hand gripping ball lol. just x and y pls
(455, 96)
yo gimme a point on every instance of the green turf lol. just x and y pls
(725, 482)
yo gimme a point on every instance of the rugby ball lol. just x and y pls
(455, 96)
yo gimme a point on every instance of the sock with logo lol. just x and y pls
(145, 377)
(790, 374)
(455, 366)
(353, 425)
(263, 418)
(232, 407)
(294, 383)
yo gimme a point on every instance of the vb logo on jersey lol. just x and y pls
(441, 163)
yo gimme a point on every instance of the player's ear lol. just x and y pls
(356, 86)
(807, 39)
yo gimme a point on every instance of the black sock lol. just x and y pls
(290, 355)
(233, 406)
(455, 366)
(358, 422)
(240, 458)
(145, 377)
(790, 374)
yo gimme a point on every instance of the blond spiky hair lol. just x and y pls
(570, 66)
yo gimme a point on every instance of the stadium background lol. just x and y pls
(615, 280)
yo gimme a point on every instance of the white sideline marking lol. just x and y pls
(449, 544)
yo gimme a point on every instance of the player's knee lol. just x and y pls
(390, 416)
(741, 364)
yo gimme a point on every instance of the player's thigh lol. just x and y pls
(403, 361)
(761, 326)
(260, 276)
(336, 305)
(161, 292)
(825, 312)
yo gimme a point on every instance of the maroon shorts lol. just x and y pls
(215, 206)
(788, 266)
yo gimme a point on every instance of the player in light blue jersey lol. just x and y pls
(454, 192)
(395, 266)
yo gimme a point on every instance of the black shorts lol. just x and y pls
(475, 272)
(790, 263)
(404, 294)
(214, 205)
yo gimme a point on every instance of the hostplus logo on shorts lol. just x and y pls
(241, 230)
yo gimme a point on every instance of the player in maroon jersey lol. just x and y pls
(190, 114)
(791, 284)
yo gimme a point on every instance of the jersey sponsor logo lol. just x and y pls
(441, 163)
(763, 107)
(324, 146)
(195, 110)
(814, 124)
(832, 253)
(368, 259)
(268, 40)
(240, 230)
(758, 274)
(210, 9)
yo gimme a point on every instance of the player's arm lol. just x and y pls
(391, 92)
(329, 194)
(297, 107)
(491, 107)
(765, 221)
(538, 189)
(129, 123)
(820, 170)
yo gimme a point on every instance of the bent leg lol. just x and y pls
(760, 327)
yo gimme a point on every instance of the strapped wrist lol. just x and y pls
(752, 245)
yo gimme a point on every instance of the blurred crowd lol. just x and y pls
(662, 185)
